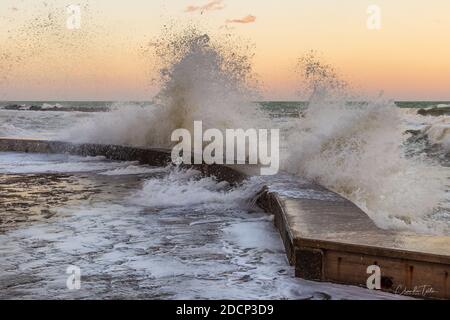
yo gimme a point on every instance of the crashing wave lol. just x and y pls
(200, 79)
(356, 150)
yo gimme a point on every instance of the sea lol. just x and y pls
(145, 232)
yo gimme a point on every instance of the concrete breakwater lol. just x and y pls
(327, 238)
(153, 156)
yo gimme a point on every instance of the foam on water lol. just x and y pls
(438, 132)
(188, 187)
(160, 255)
(139, 247)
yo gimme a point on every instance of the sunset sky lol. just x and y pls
(40, 59)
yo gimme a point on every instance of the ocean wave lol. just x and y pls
(357, 151)
(11, 130)
(431, 136)
(189, 187)
(439, 132)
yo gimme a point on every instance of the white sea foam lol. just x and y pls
(9, 129)
(438, 131)
(189, 187)
(435, 128)
(157, 256)
(192, 248)
(46, 106)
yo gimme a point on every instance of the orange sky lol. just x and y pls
(40, 59)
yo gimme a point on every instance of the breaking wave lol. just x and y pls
(200, 79)
(190, 187)
(438, 132)
(356, 149)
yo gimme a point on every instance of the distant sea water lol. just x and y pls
(277, 109)
(265, 104)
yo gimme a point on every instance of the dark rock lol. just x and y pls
(12, 107)
(413, 132)
(56, 108)
(434, 111)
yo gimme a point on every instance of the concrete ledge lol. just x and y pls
(327, 238)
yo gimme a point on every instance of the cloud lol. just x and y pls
(246, 19)
(210, 6)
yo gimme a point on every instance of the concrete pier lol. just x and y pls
(327, 238)
(331, 239)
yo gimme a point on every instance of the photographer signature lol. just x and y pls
(422, 290)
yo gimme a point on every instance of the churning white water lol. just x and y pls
(163, 234)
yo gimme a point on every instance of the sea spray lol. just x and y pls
(200, 79)
(188, 187)
(38, 44)
(356, 150)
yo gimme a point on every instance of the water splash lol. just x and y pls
(190, 187)
(200, 79)
(356, 150)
